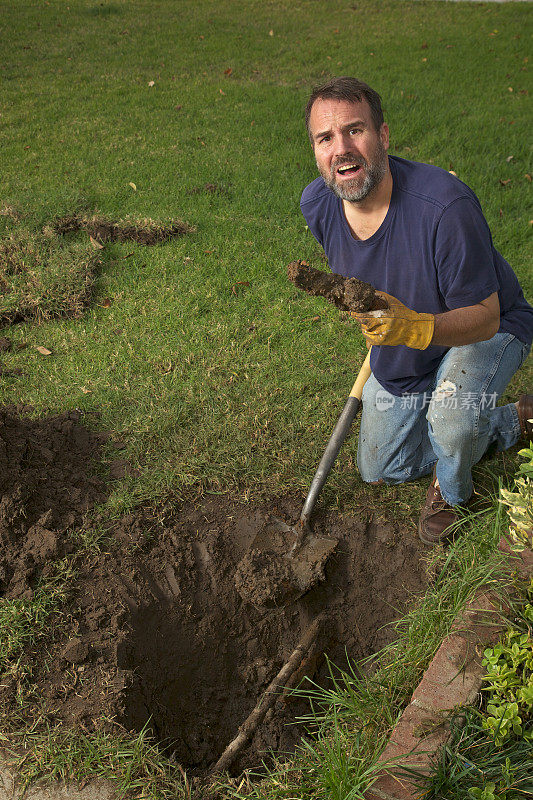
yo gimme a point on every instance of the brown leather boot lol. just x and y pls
(436, 517)
(525, 415)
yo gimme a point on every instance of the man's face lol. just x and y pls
(350, 154)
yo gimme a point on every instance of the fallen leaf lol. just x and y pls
(501, 212)
(424, 46)
(221, 92)
(527, 176)
(509, 158)
(151, 83)
(505, 182)
(85, 390)
(132, 186)
(177, 108)
(44, 351)
(452, 172)
(424, 59)
(228, 71)
(107, 302)
(95, 244)
(510, 89)
(271, 33)
(235, 286)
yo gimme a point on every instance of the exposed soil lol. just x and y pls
(102, 229)
(348, 294)
(154, 626)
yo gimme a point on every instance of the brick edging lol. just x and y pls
(452, 679)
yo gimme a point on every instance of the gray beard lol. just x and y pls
(352, 192)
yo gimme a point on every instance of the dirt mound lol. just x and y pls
(154, 630)
(103, 229)
(46, 486)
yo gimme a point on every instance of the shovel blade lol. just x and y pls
(282, 563)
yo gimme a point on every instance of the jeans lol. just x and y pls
(451, 425)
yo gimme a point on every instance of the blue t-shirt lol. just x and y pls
(433, 251)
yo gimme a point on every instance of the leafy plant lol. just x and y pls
(509, 680)
(483, 794)
(520, 504)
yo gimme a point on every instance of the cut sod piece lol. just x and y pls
(41, 278)
(142, 231)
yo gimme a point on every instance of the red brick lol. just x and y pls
(420, 731)
(481, 621)
(521, 562)
(389, 787)
(453, 677)
(393, 783)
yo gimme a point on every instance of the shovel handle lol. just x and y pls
(336, 440)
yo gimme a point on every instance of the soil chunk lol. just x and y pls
(75, 651)
(348, 294)
(264, 580)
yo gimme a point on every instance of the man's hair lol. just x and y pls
(350, 89)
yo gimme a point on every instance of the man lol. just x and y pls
(457, 327)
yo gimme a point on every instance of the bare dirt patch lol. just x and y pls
(103, 229)
(154, 627)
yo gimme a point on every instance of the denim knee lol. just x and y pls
(377, 466)
(450, 428)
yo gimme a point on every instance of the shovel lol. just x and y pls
(285, 561)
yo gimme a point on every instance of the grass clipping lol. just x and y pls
(41, 278)
(143, 231)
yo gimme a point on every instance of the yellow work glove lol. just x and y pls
(397, 324)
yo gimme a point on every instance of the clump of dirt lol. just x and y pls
(103, 229)
(154, 631)
(282, 563)
(265, 581)
(348, 294)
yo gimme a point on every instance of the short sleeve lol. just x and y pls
(311, 211)
(464, 255)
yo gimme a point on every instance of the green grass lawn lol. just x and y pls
(198, 352)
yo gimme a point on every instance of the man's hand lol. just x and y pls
(397, 324)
